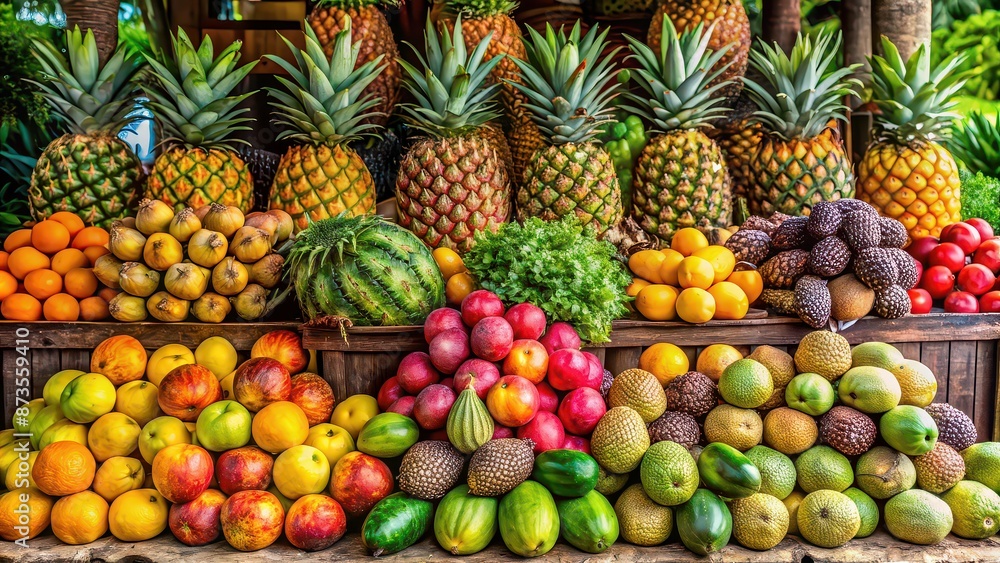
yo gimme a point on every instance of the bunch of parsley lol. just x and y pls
(981, 198)
(558, 266)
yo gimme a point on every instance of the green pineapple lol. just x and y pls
(89, 170)
(326, 106)
(681, 177)
(977, 144)
(454, 183)
(570, 87)
(189, 97)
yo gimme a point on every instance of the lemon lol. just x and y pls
(721, 259)
(657, 302)
(695, 305)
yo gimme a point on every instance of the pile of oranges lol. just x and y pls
(458, 281)
(46, 271)
(692, 280)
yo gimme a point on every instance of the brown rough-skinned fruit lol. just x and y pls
(847, 430)
(939, 469)
(500, 465)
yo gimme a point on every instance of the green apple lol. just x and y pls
(909, 429)
(88, 397)
(330, 439)
(161, 432)
(64, 430)
(54, 386)
(41, 422)
(224, 425)
(24, 413)
(810, 393)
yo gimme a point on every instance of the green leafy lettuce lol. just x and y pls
(981, 198)
(558, 266)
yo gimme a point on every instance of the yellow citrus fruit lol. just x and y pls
(688, 240)
(36, 519)
(279, 426)
(749, 281)
(730, 301)
(656, 302)
(80, 518)
(714, 359)
(695, 272)
(721, 259)
(118, 475)
(664, 360)
(646, 265)
(138, 515)
(448, 261)
(695, 305)
(668, 268)
(635, 287)
(114, 434)
(457, 287)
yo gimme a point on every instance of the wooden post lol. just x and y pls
(907, 23)
(782, 22)
(856, 21)
(98, 15)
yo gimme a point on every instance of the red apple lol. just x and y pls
(261, 381)
(449, 382)
(570, 369)
(432, 406)
(315, 522)
(314, 396)
(581, 409)
(252, 520)
(988, 254)
(513, 401)
(449, 349)
(389, 392)
(920, 271)
(548, 400)
(480, 374)
(196, 522)
(358, 481)
(949, 255)
(577, 443)
(559, 336)
(440, 435)
(990, 302)
(545, 430)
(527, 320)
(976, 279)
(964, 235)
(480, 304)
(244, 469)
(528, 359)
(416, 372)
(961, 302)
(491, 339)
(181, 472)
(983, 226)
(440, 320)
(403, 405)
(284, 346)
(921, 248)
(186, 390)
(920, 301)
(939, 281)
(500, 432)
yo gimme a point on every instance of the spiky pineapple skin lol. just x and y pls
(451, 188)
(790, 176)
(369, 26)
(94, 176)
(573, 178)
(681, 180)
(314, 183)
(917, 185)
(738, 138)
(195, 177)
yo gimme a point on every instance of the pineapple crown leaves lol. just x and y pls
(452, 91)
(88, 97)
(915, 100)
(678, 93)
(977, 144)
(803, 91)
(348, 4)
(568, 86)
(190, 90)
(481, 8)
(325, 101)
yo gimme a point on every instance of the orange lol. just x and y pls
(90, 236)
(721, 259)
(43, 284)
(66, 260)
(21, 307)
(49, 236)
(64, 468)
(714, 360)
(668, 268)
(448, 261)
(458, 287)
(25, 260)
(664, 360)
(730, 301)
(695, 305)
(107, 294)
(656, 302)
(17, 239)
(688, 240)
(646, 265)
(38, 516)
(635, 287)
(118, 475)
(94, 309)
(61, 307)
(279, 426)
(8, 285)
(72, 222)
(4, 256)
(80, 518)
(695, 272)
(94, 252)
(81, 282)
(749, 281)
(138, 515)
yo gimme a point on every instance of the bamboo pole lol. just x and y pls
(782, 22)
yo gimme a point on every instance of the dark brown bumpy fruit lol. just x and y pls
(812, 301)
(907, 267)
(781, 300)
(955, 428)
(500, 465)
(430, 469)
(848, 431)
(784, 269)
(693, 393)
(860, 229)
(749, 245)
(791, 234)
(876, 268)
(939, 469)
(824, 220)
(758, 223)
(892, 302)
(893, 233)
(674, 426)
(829, 257)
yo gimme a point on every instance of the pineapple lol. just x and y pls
(738, 137)
(326, 104)
(680, 178)
(372, 31)
(906, 174)
(977, 144)
(732, 27)
(570, 88)
(189, 97)
(454, 183)
(800, 160)
(89, 170)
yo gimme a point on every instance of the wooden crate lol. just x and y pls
(960, 349)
